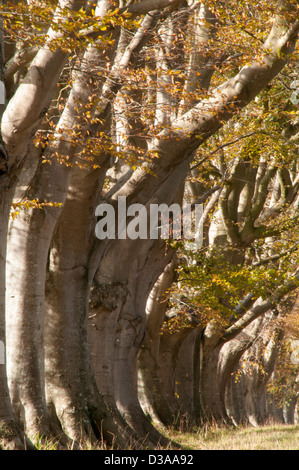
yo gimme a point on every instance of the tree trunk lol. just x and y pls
(186, 378)
(213, 406)
(12, 434)
(28, 248)
(29, 243)
(218, 363)
(119, 317)
(71, 390)
(234, 399)
(260, 363)
(149, 376)
(127, 271)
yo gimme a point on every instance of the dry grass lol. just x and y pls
(213, 437)
(277, 437)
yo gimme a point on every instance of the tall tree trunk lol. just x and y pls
(261, 362)
(119, 316)
(234, 399)
(29, 240)
(12, 434)
(218, 363)
(27, 258)
(127, 271)
(149, 375)
(29, 243)
(70, 385)
(186, 379)
(170, 375)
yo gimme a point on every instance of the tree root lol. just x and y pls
(12, 437)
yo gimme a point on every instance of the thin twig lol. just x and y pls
(223, 146)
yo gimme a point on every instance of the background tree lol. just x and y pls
(230, 275)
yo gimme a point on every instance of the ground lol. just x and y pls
(277, 437)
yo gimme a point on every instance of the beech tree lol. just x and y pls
(107, 99)
(234, 293)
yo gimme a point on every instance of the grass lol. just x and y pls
(214, 437)
(276, 437)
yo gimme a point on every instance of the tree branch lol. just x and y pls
(261, 196)
(227, 144)
(277, 257)
(259, 308)
(132, 11)
(26, 108)
(23, 56)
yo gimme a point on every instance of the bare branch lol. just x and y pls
(132, 11)
(23, 56)
(262, 194)
(260, 307)
(227, 144)
(277, 257)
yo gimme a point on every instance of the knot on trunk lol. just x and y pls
(107, 295)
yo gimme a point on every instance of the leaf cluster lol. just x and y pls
(26, 205)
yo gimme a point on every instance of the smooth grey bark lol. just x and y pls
(149, 377)
(70, 384)
(12, 434)
(202, 61)
(25, 332)
(124, 288)
(218, 364)
(176, 150)
(28, 249)
(290, 412)
(178, 362)
(187, 374)
(120, 320)
(70, 258)
(33, 96)
(29, 244)
(263, 354)
(37, 89)
(234, 399)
